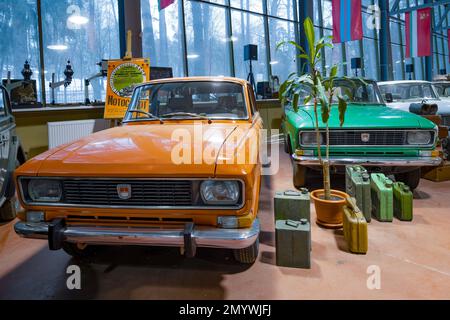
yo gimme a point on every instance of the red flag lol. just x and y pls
(165, 3)
(448, 42)
(347, 20)
(418, 33)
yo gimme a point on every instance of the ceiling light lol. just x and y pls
(78, 20)
(57, 47)
(273, 62)
(192, 56)
(232, 39)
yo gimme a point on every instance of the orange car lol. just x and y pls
(183, 170)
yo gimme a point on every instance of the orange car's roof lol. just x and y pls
(187, 79)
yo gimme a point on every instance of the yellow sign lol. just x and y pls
(123, 76)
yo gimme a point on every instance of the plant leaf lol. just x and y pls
(334, 71)
(309, 32)
(342, 106)
(307, 100)
(295, 102)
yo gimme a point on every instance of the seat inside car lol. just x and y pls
(180, 104)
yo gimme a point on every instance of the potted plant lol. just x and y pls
(320, 92)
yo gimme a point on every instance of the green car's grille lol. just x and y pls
(367, 138)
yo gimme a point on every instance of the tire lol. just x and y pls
(299, 175)
(73, 250)
(287, 147)
(247, 255)
(411, 178)
(8, 210)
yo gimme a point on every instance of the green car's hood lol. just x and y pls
(365, 116)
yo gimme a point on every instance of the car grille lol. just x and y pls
(176, 193)
(446, 120)
(375, 138)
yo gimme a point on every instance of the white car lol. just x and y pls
(400, 94)
(443, 89)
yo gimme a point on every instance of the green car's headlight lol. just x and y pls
(419, 137)
(44, 190)
(309, 138)
(220, 192)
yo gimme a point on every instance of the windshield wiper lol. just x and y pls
(185, 114)
(148, 114)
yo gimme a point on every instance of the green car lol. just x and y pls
(380, 138)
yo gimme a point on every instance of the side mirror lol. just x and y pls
(388, 97)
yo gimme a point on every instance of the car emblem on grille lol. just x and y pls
(365, 137)
(124, 191)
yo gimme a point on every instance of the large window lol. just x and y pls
(207, 40)
(397, 62)
(161, 36)
(352, 51)
(248, 28)
(282, 60)
(19, 38)
(84, 32)
(250, 5)
(280, 8)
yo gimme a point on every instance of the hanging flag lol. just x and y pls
(418, 33)
(448, 42)
(164, 4)
(347, 20)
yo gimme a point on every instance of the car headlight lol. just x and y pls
(220, 192)
(44, 190)
(309, 138)
(419, 137)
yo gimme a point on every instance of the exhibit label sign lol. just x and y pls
(123, 76)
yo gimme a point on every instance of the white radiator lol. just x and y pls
(67, 131)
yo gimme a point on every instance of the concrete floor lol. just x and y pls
(413, 257)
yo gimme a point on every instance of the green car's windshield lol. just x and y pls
(188, 100)
(409, 91)
(356, 90)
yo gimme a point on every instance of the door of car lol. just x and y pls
(7, 138)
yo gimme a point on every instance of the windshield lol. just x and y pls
(409, 91)
(188, 99)
(356, 90)
(443, 89)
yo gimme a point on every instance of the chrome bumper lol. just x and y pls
(372, 161)
(147, 236)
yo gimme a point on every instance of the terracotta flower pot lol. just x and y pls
(329, 212)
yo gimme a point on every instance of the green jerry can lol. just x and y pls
(382, 197)
(293, 243)
(355, 228)
(292, 205)
(357, 185)
(403, 202)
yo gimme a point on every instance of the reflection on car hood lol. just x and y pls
(139, 150)
(373, 116)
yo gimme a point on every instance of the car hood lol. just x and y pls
(139, 150)
(443, 105)
(370, 116)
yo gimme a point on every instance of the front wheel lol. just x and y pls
(247, 255)
(411, 178)
(8, 210)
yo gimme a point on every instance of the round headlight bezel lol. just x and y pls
(233, 184)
